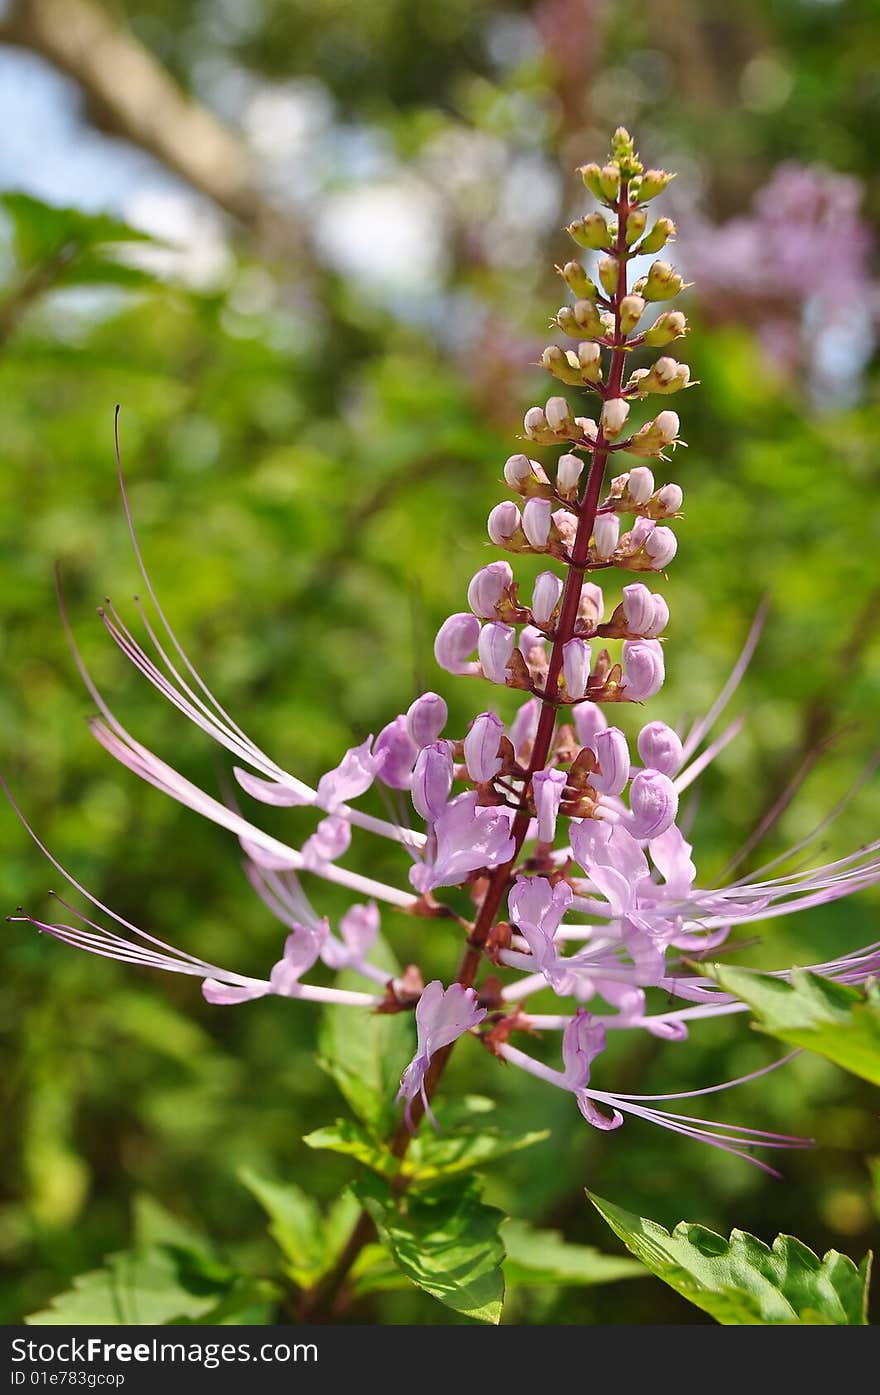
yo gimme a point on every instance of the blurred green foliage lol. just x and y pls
(310, 479)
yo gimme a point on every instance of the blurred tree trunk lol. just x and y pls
(131, 95)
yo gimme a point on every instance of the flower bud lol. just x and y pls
(635, 225)
(481, 748)
(547, 788)
(591, 604)
(432, 780)
(612, 753)
(660, 748)
(559, 414)
(666, 376)
(608, 274)
(591, 175)
(589, 358)
(653, 183)
(589, 720)
(566, 321)
(672, 324)
(653, 803)
(656, 435)
(536, 522)
(495, 648)
(532, 645)
(662, 282)
(576, 658)
(657, 238)
(638, 608)
(609, 181)
(536, 426)
(614, 414)
(503, 522)
(640, 484)
(559, 363)
(632, 308)
(524, 475)
(644, 670)
(545, 598)
(606, 532)
(670, 499)
(587, 319)
(661, 546)
(565, 524)
(456, 641)
(397, 752)
(578, 281)
(591, 231)
(426, 717)
(488, 587)
(661, 618)
(568, 472)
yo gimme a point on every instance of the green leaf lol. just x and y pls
(446, 1241)
(137, 1288)
(42, 230)
(829, 1018)
(365, 1053)
(741, 1281)
(348, 1137)
(441, 1155)
(296, 1225)
(544, 1257)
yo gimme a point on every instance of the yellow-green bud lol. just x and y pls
(557, 362)
(660, 233)
(653, 183)
(608, 274)
(635, 225)
(666, 375)
(578, 281)
(590, 231)
(566, 321)
(668, 326)
(609, 180)
(662, 282)
(589, 357)
(632, 307)
(591, 177)
(587, 318)
(623, 152)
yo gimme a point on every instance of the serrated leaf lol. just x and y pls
(542, 1257)
(832, 1019)
(442, 1155)
(41, 230)
(348, 1137)
(365, 1053)
(139, 1287)
(446, 1241)
(295, 1224)
(742, 1281)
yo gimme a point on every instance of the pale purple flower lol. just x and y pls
(464, 839)
(589, 719)
(352, 776)
(536, 519)
(653, 802)
(547, 789)
(661, 545)
(660, 748)
(442, 1016)
(606, 534)
(576, 659)
(432, 780)
(481, 747)
(456, 641)
(612, 753)
(395, 752)
(328, 842)
(495, 648)
(426, 719)
(643, 668)
(488, 587)
(545, 598)
(358, 929)
(503, 522)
